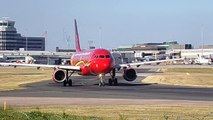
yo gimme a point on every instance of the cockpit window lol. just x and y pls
(107, 56)
(101, 56)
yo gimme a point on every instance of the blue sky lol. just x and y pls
(111, 23)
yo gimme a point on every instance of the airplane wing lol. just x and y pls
(66, 67)
(147, 62)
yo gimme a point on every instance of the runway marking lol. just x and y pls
(158, 70)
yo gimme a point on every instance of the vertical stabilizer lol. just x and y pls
(77, 44)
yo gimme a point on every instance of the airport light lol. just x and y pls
(26, 44)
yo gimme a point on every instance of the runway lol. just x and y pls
(87, 87)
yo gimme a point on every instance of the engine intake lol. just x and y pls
(129, 74)
(59, 76)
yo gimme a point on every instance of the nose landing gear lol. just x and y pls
(101, 83)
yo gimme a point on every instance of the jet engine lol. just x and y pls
(58, 75)
(129, 74)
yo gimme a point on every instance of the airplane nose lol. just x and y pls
(102, 67)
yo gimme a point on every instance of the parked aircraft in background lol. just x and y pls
(201, 60)
(19, 59)
(27, 60)
(98, 62)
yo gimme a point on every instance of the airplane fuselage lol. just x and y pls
(93, 62)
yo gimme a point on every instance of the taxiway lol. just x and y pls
(86, 88)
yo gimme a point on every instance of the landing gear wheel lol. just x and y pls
(67, 79)
(65, 83)
(101, 84)
(110, 81)
(70, 82)
(115, 82)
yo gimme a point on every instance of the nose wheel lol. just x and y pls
(101, 84)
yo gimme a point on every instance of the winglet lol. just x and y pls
(77, 44)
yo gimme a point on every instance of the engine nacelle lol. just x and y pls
(130, 74)
(59, 75)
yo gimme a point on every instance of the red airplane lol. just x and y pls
(98, 62)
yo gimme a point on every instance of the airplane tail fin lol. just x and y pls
(77, 44)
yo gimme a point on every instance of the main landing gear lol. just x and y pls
(68, 80)
(113, 80)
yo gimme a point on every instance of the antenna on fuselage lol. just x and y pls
(77, 44)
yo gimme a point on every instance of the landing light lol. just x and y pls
(100, 75)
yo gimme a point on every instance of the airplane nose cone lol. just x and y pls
(102, 67)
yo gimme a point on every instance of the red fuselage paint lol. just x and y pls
(93, 62)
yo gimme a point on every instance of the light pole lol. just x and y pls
(202, 39)
(26, 43)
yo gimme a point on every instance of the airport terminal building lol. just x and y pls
(11, 40)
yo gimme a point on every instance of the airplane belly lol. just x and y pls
(84, 71)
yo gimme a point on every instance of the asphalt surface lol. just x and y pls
(87, 87)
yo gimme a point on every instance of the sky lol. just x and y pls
(112, 23)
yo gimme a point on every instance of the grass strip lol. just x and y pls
(37, 115)
(188, 70)
(131, 112)
(12, 78)
(199, 77)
